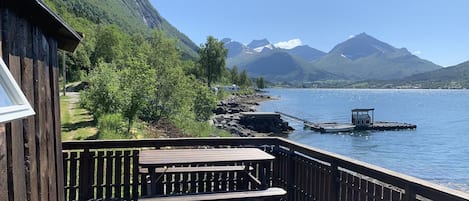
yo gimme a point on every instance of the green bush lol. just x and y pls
(112, 126)
(201, 129)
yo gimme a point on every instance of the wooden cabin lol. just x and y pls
(30, 145)
(362, 118)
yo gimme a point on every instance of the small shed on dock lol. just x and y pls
(362, 118)
(31, 166)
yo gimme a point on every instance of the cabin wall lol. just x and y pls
(30, 149)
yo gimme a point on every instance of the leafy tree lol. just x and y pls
(212, 59)
(234, 76)
(204, 103)
(104, 95)
(244, 80)
(137, 85)
(172, 94)
(260, 83)
(109, 44)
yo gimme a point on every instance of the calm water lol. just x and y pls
(437, 151)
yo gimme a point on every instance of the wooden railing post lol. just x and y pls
(135, 176)
(291, 174)
(85, 175)
(334, 182)
(409, 194)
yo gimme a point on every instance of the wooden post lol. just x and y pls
(64, 71)
(291, 174)
(409, 194)
(135, 175)
(84, 180)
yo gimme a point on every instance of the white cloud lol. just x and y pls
(289, 44)
(417, 52)
(351, 36)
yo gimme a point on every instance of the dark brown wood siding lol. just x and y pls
(30, 149)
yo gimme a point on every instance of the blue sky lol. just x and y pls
(436, 30)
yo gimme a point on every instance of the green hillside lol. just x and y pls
(131, 16)
(450, 77)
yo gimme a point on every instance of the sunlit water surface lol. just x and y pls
(438, 150)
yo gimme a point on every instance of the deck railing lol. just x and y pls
(109, 169)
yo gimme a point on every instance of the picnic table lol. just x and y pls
(215, 159)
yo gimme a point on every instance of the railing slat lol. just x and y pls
(100, 175)
(66, 160)
(363, 190)
(386, 194)
(371, 191)
(127, 173)
(396, 196)
(74, 176)
(118, 174)
(135, 175)
(109, 174)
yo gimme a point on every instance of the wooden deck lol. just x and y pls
(107, 170)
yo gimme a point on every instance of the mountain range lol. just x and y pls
(361, 57)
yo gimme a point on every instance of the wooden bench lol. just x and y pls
(197, 169)
(240, 169)
(272, 193)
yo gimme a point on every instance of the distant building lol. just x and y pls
(232, 88)
(229, 89)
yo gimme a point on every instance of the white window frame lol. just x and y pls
(20, 107)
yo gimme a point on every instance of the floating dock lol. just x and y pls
(383, 125)
(361, 120)
(334, 127)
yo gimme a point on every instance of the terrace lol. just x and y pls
(95, 170)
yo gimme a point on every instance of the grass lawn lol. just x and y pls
(77, 123)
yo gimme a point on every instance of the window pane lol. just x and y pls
(4, 99)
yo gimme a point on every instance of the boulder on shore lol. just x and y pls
(237, 115)
(264, 122)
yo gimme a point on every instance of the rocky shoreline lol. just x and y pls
(228, 116)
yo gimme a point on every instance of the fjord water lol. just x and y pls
(438, 150)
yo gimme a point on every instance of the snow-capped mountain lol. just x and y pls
(358, 58)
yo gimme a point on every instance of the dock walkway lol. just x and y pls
(294, 118)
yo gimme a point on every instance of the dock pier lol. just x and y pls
(361, 120)
(293, 117)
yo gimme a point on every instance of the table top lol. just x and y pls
(161, 157)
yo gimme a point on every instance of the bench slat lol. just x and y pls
(197, 169)
(268, 193)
